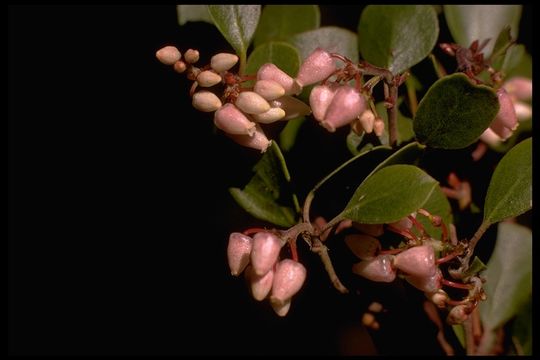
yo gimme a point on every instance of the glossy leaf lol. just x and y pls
(237, 24)
(517, 62)
(508, 276)
(480, 22)
(287, 136)
(330, 38)
(510, 189)
(397, 37)
(263, 197)
(280, 22)
(389, 195)
(187, 13)
(404, 124)
(407, 155)
(460, 334)
(281, 54)
(454, 112)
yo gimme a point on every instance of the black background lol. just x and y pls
(119, 213)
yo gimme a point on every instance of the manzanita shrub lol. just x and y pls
(401, 223)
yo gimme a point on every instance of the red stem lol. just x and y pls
(252, 231)
(456, 285)
(294, 252)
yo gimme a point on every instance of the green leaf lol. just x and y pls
(281, 54)
(187, 13)
(508, 276)
(408, 154)
(517, 62)
(389, 195)
(237, 24)
(510, 189)
(504, 41)
(330, 38)
(460, 333)
(397, 37)
(287, 136)
(263, 196)
(353, 141)
(404, 123)
(476, 267)
(468, 23)
(454, 112)
(522, 328)
(280, 22)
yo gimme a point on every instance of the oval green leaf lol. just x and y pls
(397, 37)
(281, 54)
(330, 38)
(454, 112)
(265, 196)
(287, 136)
(187, 13)
(508, 276)
(510, 189)
(468, 23)
(389, 195)
(280, 22)
(237, 24)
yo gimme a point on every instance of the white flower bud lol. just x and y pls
(223, 62)
(260, 285)
(364, 247)
(490, 138)
(289, 277)
(346, 106)
(519, 87)
(179, 66)
(417, 261)
(265, 252)
(281, 307)
(378, 127)
(252, 103)
(272, 115)
(457, 315)
(231, 120)
(258, 141)
(238, 252)
(168, 55)
(316, 67)
(206, 101)
(320, 98)
(270, 71)
(439, 298)
(269, 89)
(523, 110)
(191, 56)
(367, 119)
(208, 78)
(293, 107)
(378, 269)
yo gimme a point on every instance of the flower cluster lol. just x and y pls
(258, 257)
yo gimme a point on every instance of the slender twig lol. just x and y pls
(322, 250)
(392, 115)
(469, 336)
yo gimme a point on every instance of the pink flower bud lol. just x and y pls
(257, 141)
(223, 62)
(270, 71)
(367, 119)
(429, 283)
(281, 307)
(457, 315)
(506, 120)
(370, 229)
(168, 55)
(378, 269)
(289, 277)
(346, 106)
(519, 87)
(238, 252)
(269, 89)
(364, 247)
(293, 107)
(231, 120)
(265, 252)
(417, 261)
(316, 67)
(208, 78)
(272, 115)
(438, 297)
(490, 138)
(179, 66)
(320, 98)
(206, 101)
(252, 103)
(378, 127)
(191, 56)
(523, 110)
(260, 285)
